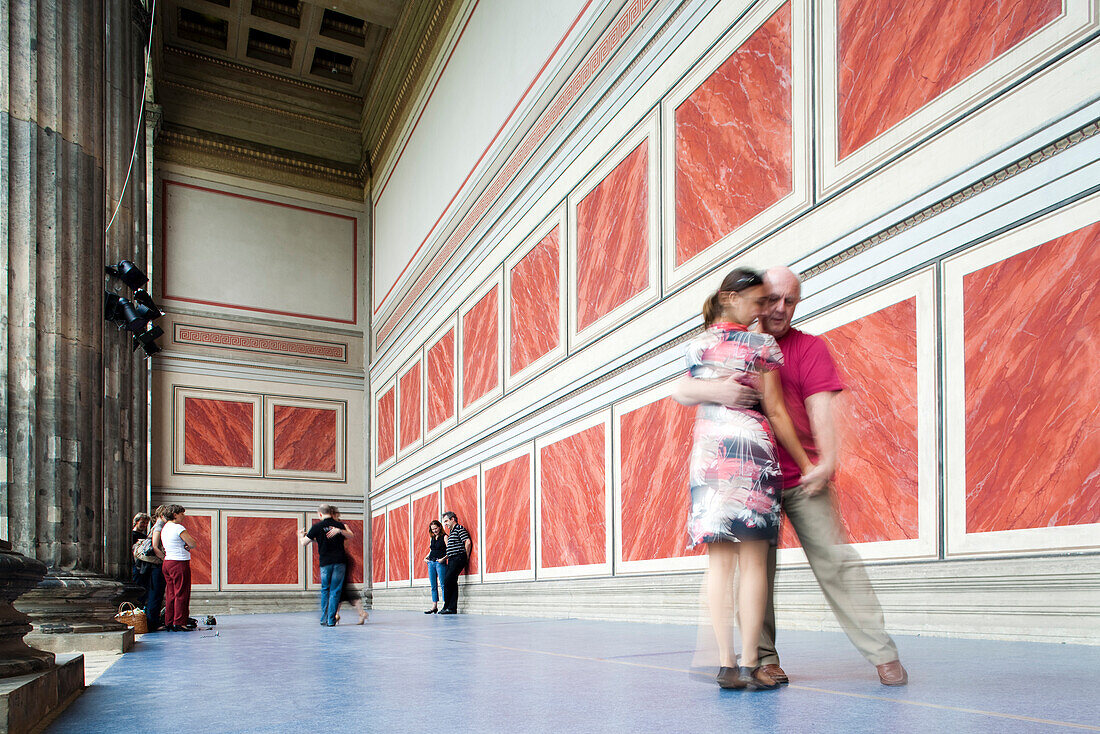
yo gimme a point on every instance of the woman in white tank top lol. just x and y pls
(177, 544)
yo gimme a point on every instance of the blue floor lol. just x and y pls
(410, 672)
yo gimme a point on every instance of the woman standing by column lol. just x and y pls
(437, 571)
(735, 477)
(177, 569)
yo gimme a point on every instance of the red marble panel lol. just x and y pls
(201, 554)
(656, 450)
(480, 347)
(613, 238)
(354, 548)
(534, 303)
(876, 419)
(894, 57)
(261, 550)
(425, 509)
(410, 405)
(398, 520)
(217, 432)
(440, 377)
(1032, 387)
(461, 499)
(387, 406)
(378, 548)
(573, 486)
(304, 439)
(508, 516)
(733, 140)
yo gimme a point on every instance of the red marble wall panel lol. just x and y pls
(201, 555)
(461, 499)
(261, 550)
(425, 509)
(876, 419)
(217, 432)
(573, 486)
(480, 347)
(1032, 387)
(440, 378)
(733, 140)
(613, 239)
(378, 548)
(398, 521)
(353, 547)
(894, 56)
(534, 303)
(387, 417)
(410, 405)
(508, 516)
(304, 439)
(656, 450)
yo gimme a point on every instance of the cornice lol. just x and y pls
(237, 157)
(195, 55)
(409, 61)
(199, 91)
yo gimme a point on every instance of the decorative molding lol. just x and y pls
(251, 342)
(1046, 153)
(199, 91)
(257, 72)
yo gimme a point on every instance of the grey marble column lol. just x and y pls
(70, 386)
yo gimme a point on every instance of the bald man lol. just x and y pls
(810, 384)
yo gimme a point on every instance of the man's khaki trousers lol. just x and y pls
(840, 574)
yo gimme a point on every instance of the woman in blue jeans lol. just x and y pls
(436, 568)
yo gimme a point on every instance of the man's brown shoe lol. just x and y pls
(892, 674)
(776, 673)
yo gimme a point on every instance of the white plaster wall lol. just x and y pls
(501, 51)
(228, 248)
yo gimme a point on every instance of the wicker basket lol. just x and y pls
(132, 617)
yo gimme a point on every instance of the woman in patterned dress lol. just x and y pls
(735, 478)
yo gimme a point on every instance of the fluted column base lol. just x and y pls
(74, 602)
(18, 574)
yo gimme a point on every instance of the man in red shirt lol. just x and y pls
(810, 382)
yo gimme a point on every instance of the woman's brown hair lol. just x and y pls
(736, 281)
(435, 522)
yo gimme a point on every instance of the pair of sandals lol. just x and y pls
(745, 678)
(362, 617)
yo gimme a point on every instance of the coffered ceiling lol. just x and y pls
(303, 92)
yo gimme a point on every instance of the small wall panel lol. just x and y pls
(397, 553)
(378, 548)
(409, 393)
(509, 515)
(439, 381)
(308, 438)
(613, 245)
(262, 551)
(460, 496)
(574, 499)
(653, 440)
(425, 508)
(1023, 432)
(217, 432)
(386, 426)
(535, 294)
(480, 370)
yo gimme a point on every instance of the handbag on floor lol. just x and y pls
(131, 616)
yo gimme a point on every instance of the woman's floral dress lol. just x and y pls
(735, 479)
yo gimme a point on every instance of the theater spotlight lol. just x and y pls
(129, 274)
(148, 340)
(122, 313)
(145, 306)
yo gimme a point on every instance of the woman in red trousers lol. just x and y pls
(177, 544)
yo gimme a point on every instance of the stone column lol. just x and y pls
(68, 490)
(18, 574)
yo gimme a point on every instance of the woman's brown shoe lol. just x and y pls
(728, 678)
